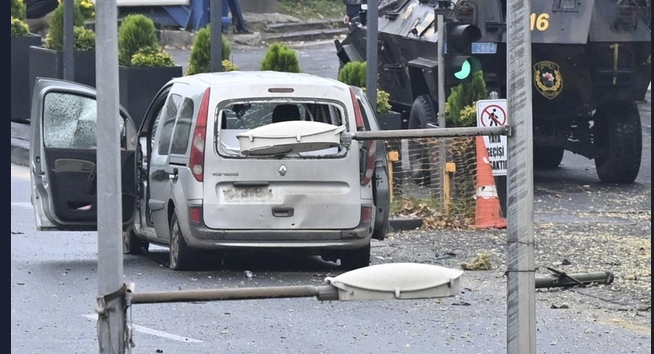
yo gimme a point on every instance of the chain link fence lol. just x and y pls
(443, 193)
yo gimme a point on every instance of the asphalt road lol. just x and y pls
(54, 280)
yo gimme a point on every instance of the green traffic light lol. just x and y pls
(464, 72)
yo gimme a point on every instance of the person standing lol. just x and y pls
(38, 15)
(352, 14)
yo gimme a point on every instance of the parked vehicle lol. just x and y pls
(231, 160)
(591, 63)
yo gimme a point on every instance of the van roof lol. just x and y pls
(257, 77)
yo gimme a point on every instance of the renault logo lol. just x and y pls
(282, 170)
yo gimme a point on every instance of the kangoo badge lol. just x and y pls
(547, 78)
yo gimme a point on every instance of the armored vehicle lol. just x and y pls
(591, 64)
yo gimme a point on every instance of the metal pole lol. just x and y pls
(322, 292)
(371, 52)
(111, 309)
(442, 149)
(69, 41)
(216, 22)
(521, 307)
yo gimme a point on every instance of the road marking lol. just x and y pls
(25, 205)
(154, 332)
(20, 171)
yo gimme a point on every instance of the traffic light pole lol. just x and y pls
(442, 150)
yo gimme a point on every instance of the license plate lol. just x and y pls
(484, 48)
(247, 194)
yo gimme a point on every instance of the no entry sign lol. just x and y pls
(492, 113)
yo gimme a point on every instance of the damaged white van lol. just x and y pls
(232, 160)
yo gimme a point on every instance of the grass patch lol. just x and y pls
(312, 9)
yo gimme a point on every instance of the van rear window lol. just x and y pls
(239, 117)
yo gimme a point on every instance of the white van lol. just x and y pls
(233, 160)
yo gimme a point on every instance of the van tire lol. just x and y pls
(356, 258)
(180, 256)
(132, 244)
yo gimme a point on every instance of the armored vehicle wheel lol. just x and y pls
(180, 256)
(618, 132)
(547, 158)
(422, 113)
(131, 244)
(357, 258)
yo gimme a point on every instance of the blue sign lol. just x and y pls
(479, 48)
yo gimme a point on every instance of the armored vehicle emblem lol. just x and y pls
(547, 78)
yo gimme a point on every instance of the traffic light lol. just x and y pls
(459, 62)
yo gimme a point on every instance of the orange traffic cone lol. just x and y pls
(487, 210)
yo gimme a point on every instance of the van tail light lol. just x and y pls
(357, 111)
(198, 139)
(366, 214)
(195, 214)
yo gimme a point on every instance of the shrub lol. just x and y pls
(229, 66)
(87, 8)
(136, 33)
(17, 10)
(151, 57)
(462, 96)
(19, 28)
(84, 38)
(353, 73)
(200, 59)
(55, 38)
(279, 57)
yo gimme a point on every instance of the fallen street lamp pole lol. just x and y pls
(389, 281)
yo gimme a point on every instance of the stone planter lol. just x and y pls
(20, 78)
(390, 120)
(139, 85)
(45, 62)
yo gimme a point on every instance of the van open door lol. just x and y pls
(63, 170)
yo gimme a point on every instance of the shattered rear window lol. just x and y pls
(240, 117)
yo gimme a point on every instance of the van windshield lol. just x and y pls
(240, 117)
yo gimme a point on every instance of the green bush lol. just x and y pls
(87, 8)
(151, 57)
(136, 33)
(200, 59)
(461, 97)
(17, 11)
(229, 66)
(279, 57)
(84, 39)
(353, 73)
(19, 28)
(55, 38)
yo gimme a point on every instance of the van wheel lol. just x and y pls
(422, 113)
(180, 256)
(132, 244)
(357, 258)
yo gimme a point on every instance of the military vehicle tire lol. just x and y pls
(131, 244)
(422, 113)
(548, 158)
(619, 131)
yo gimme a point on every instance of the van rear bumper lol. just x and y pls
(306, 240)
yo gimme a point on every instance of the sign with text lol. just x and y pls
(492, 113)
